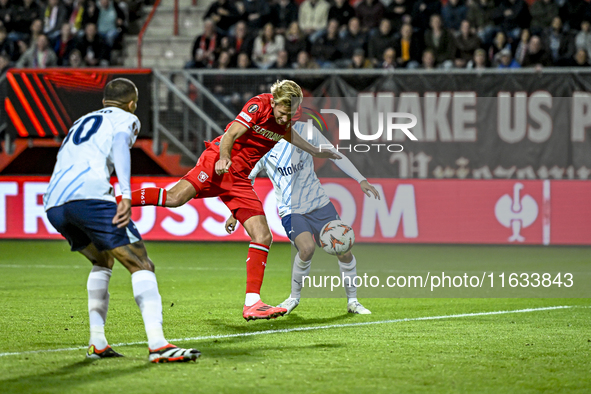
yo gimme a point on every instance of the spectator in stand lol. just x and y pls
(110, 22)
(6, 14)
(466, 43)
(283, 13)
(428, 60)
(499, 43)
(441, 42)
(396, 10)
(7, 46)
(223, 14)
(325, 49)
(479, 60)
(256, 13)
(4, 66)
(242, 41)
(342, 12)
(224, 61)
(370, 13)
(76, 11)
(204, 47)
(75, 59)
(304, 62)
(64, 44)
(522, 46)
(453, 13)
(580, 59)
(92, 47)
(388, 60)
(573, 12)
(512, 16)
(295, 42)
(408, 47)
(536, 55)
(282, 61)
(243, 62)
(313, 17)
(384, 38)
(266, 47)
(583, 38)
(480, 13)
(35, 30)
(542, 12)
(422, 12)
(23, 16)
(351, 39)
(505, 59)
(561, 45)
(39, 55)
(90, 14)
(359, 61)
(55, 16)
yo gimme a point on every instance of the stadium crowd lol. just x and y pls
(75, 33)
(391, 34)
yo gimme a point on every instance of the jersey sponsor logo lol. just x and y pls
(267, 134)
(292, 169)
(253, 108)
(202, 177)
(245, 116)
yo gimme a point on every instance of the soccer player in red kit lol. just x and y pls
(223, 168)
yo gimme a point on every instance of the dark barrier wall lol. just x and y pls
(45, 103)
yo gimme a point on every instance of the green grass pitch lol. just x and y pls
(321, 349)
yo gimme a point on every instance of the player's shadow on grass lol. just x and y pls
(69, 377)
(290, 321)
(235, 347)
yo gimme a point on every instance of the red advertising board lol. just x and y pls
(410, 211)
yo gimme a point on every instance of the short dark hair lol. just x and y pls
(120, 89)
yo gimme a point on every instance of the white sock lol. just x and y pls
(147, 297)
(300, 269)
(251, 299)
(98, 304)
(349, 272)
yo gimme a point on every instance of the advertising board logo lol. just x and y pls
(516, 213)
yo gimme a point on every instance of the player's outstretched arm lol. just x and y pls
(296, 140)
(231, 224)
(349, 168)
(235, 131)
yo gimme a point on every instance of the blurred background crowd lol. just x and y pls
(75, 33)
(391, 34)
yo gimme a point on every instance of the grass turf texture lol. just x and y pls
(43, 298)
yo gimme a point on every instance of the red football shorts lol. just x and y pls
(236, 192)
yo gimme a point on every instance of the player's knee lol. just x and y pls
(173, 200)
(307, 252)
(263, 237)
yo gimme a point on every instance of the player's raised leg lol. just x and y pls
(256, 261)
(145, 291)
(348, 268)
(301, 268)
(98, 302)
(178, 195)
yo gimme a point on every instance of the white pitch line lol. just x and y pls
(297, 329)
(89, 266)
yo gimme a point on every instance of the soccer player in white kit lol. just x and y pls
(80, 204)
(305, 208)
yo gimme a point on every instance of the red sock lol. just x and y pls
(255, 267)
(147, 196)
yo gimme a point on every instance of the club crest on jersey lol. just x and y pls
(253, 108)
(202, 176)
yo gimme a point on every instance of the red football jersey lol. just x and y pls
(263, 133)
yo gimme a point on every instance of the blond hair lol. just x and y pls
(287, 93)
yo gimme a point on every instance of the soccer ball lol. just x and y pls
(336, 237)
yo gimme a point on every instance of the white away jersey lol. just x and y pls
(85, 160)
(297, 188)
